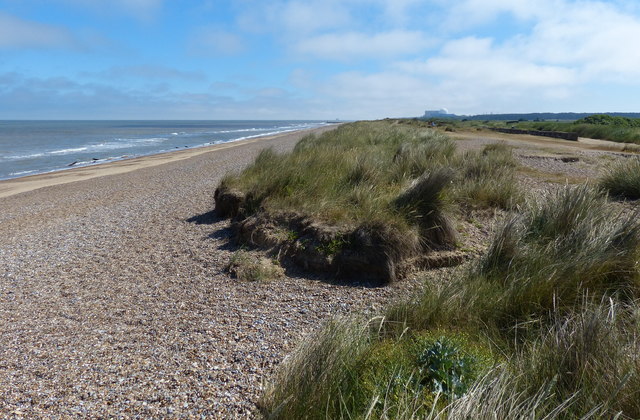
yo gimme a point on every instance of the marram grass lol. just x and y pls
(377, 173)
(622, 179)
(550, 315)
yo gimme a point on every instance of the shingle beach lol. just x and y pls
(115, 303)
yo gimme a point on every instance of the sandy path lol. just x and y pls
(113, 304)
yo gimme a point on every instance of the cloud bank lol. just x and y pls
(350, 59)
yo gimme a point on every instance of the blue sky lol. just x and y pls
(315, 59)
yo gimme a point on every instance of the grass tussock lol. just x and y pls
(562, 246)
(316, 372)
(374, 182)
(249, 267)
(622, 180)
(612, 132)
(345, 176)
(358, 171)
(423, 203)
(585, 364)
(545, 325)
(487, 178)
(347, 370)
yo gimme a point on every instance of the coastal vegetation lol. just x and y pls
(622, 179)
(599, 126)
(544, 325)
(245, 266)
(618, 129)
(365, 198)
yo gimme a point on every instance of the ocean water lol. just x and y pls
(33, 147)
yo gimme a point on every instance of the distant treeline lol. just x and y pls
(564, 116)
(603, 119)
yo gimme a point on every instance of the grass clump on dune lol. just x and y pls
(247, 267)
(583, 364)
(549, 320)
(564, 245)
(622, 180)
(344, 176)
(347, 370)
(390, 191)
(622, 133)
(487, 178)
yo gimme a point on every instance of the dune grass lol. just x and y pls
(358, 172)
(245, 266)
(622, 180)
(563, 244)
(384, 186)
(487, 178)
(547, 323)
(348, 370)
(345, 176)
(612, 132)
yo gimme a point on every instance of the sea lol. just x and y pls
(35, 147)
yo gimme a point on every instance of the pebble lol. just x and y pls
(113, 305)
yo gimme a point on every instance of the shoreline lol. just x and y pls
(116, 299)
(13, 186)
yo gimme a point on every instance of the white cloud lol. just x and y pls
(475, 12)
(357, 95)
(474, 61)
(65, 98)
(399, 11)
(593, 36)
(564, 49)
(493, 55)
(310, 16)
(141, 9)
(294, 18)
(350, 45)
(148, 72)
(213, 41)
(19, 33)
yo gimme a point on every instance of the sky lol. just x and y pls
(315, 59)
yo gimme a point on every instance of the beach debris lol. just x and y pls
(73, 163)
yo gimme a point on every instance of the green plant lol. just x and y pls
(307, 383)
(603, 119)
(445, 369)
(556, 295)
(246, 266)
(379, 185)
(343, 176)
(487, 178)
(589, 356)
(564, 249)
(622, 179)
(334, 246)
(423, 203)
(560, 247)
(623, 130)
(292, 235)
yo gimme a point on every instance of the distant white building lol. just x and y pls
(438, 113)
